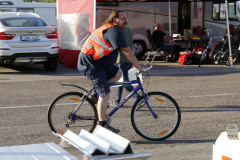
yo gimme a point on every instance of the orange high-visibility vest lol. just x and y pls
(95, 45)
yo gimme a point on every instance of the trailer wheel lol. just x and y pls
(51, 65)
(139, 49)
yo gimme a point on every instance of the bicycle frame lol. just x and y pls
(222, 48)
(209, 49)
(139, 87)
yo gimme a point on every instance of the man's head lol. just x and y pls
(231, 28)
(118, 17)
(198, 30)
(158, 27)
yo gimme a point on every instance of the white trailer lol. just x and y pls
(215, 16)
(46, 11)
(144, 15)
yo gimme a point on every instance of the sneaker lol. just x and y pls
(140, 104)
(114, 130)
(113, 104)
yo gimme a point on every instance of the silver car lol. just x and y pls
(26, 38)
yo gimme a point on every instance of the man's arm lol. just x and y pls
(170, 37)
(131, 57)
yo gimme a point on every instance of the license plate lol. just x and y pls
(30, 37)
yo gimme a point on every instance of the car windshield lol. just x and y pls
(23, 22)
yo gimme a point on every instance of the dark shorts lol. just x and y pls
(100, 77)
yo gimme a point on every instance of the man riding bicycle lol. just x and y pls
(99, 55)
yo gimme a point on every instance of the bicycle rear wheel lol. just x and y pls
(61, 117)
(167, 121)
(226, 58)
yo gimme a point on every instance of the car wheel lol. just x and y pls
(51, 65)
(139, 49)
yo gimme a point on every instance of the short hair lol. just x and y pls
(114, 13)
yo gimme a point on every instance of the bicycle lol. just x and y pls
(157, 119)
(221, 56)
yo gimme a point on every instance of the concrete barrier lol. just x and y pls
(102, 144)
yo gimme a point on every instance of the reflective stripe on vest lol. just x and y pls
(96, 45)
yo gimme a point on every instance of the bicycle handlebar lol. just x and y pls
(146, 69)
(217, 37)
(208, 33)
(227, 35)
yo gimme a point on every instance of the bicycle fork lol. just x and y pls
(146, 101)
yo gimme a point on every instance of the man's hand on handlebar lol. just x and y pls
(145, 67)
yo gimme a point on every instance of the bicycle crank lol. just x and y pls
(108, 120)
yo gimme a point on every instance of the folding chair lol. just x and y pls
(154, 50)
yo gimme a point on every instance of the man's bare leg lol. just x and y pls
(102, 107)
(103, 102)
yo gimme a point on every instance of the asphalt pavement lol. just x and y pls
(208, 98)
(160, 68)
(166, 69)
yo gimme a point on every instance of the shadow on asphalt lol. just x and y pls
(174, 141)
(159, 69)
(219, 108)
(21, 68)
(37, 69)
(192, 70)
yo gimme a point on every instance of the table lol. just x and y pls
(189, 41)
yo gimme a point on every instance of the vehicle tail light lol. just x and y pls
(51, 35)
(4, 36)
(4, 49)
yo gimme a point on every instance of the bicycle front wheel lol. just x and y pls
(203, 57)
(156, 128)
(61, 115)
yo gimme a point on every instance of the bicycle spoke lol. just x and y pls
(166, 123)
(61, 115)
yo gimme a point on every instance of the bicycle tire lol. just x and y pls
(203, 57)
(226, 59)
(167, 121)
(218, 57)
(62, 108)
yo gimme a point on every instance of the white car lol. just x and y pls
(26, 38)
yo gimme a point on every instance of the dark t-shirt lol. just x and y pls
(115, 37)
(158, 38)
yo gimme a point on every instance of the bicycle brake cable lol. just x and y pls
(148, 80)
